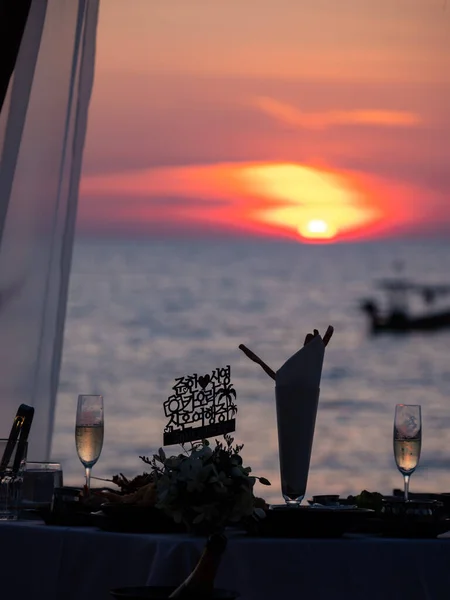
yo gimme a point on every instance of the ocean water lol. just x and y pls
(141, 314)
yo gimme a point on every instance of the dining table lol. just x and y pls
(44, 562)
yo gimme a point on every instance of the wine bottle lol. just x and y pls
(20, 430)
(200, 583)
(28, 414)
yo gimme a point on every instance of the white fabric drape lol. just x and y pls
(42, 132)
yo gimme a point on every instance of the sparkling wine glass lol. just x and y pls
(407, 440)
(89, 432)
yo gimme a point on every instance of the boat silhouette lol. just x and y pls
(397, 317)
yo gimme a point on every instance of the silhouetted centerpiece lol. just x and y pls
(204, 488)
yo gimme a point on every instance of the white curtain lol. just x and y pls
(42, 133)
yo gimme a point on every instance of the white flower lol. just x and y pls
(172, 463)
(189, 469)
(196, 478)
(210, 512)
(237, 472)
(204, 453)
(177, 516)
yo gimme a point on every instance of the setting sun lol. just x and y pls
(317, 229)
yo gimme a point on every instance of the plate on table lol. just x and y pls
(129, 518)
(440, 497)
(415, 518)
(309, 522)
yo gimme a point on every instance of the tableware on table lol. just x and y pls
(430, 510)
(89, 430)
(297, 395)
(443, 497)
(309, 522)
(407, 440)
(162, 593)
(11, 478)
(39, 481)
(67, 508)
(412, 518)
(66, 499)
(326, 499)
(332, 506)
(71, 507)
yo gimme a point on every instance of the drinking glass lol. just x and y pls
(11, 479)
(407, 440)
(39, 481)
(89, 432)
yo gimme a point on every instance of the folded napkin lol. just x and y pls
(297, 388)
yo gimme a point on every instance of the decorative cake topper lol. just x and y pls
(201, 406)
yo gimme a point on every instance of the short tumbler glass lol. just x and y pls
(11, 483)
(39, 481)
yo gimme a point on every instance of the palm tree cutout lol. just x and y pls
(228, 393)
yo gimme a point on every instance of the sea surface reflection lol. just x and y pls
(141, 314)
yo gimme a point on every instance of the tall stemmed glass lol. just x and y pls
(407, 440)
(89, 432)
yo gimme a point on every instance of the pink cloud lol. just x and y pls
(291, 115)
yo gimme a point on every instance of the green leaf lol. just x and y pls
(264, 481)
(162, 455)
(177, 517)
(198, 519)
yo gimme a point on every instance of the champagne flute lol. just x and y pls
(89, 432)
(407, 440)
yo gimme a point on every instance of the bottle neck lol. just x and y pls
(206, 568)
(203, 576)
(200, 583)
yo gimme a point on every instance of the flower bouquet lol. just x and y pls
(205, 487)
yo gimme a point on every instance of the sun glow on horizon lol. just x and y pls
(304, 192)
(317, 229)
(272, 199)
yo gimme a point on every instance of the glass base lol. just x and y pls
(293, 502)
(290, 503)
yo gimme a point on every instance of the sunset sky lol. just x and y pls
(309, 120)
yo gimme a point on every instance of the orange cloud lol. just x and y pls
(275, 199)
(290, 115)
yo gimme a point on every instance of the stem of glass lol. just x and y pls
(88, 479)
(406, 478)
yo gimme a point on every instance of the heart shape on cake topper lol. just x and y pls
(203, 381)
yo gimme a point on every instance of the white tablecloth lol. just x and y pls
(59, 563)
